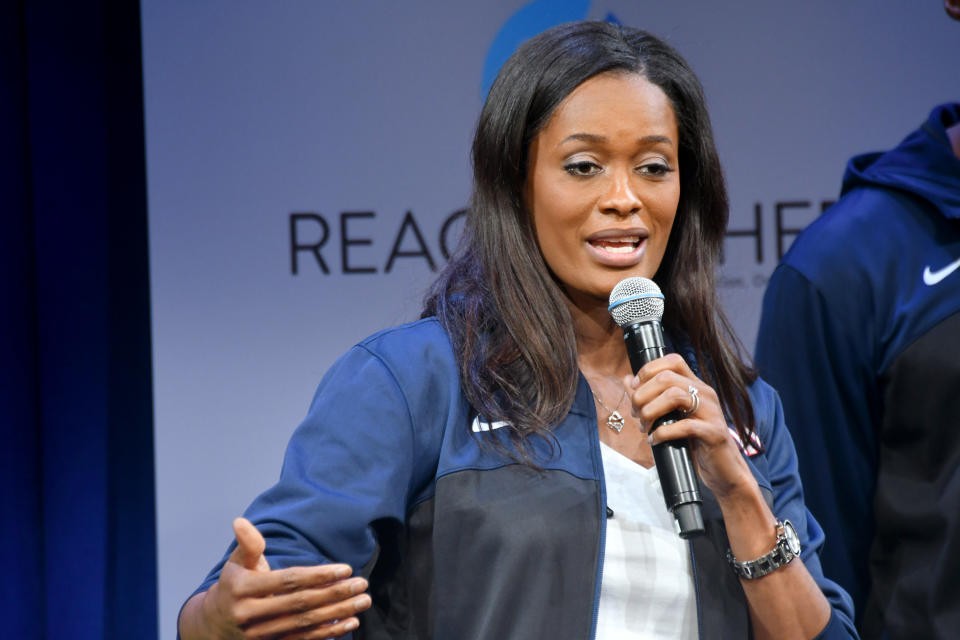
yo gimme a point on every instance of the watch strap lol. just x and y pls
(780, 555)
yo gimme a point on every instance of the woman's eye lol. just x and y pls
(582, 168)
(655, 169)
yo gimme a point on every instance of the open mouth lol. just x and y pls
(625, 244)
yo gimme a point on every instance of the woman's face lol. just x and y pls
(604, 182)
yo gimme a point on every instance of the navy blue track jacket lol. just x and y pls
(860, 335)
(387, 473)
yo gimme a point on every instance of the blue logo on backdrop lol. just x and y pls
(527, 22)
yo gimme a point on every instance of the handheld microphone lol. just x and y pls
(636, 304)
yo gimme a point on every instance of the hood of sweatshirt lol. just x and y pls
(923, 164)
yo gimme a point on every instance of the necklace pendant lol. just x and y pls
(615, 421)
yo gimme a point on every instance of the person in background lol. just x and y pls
(860, 334)
(487, 469)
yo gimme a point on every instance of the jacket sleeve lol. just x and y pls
(822, 370)
(788, 504)
(347, 473)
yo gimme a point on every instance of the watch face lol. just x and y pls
(793, 541)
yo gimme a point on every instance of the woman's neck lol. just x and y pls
(599, 341)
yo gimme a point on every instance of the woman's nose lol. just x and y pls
(620, 198)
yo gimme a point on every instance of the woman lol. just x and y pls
(457, 463)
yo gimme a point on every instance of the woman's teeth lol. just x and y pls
(623, 245)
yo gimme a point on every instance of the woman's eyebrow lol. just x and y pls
(584, 137)
(592, 137)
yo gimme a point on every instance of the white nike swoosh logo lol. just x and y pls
(931, 278)
(482, 425)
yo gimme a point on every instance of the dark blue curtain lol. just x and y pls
(77, 522)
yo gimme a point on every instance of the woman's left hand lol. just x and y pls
(662, 386)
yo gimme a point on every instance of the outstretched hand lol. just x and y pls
(298, 603)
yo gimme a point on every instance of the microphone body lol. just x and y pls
(637, 306)
(644, 341)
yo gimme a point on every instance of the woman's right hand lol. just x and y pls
(252, 601)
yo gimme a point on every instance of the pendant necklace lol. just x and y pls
(614, 420)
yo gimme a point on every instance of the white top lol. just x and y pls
(647, 591)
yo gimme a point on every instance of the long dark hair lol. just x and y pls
(506, 317)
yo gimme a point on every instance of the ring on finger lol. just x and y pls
(694, 401)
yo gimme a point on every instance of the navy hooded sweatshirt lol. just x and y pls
(860, 335)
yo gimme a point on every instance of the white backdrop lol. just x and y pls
(361, 112)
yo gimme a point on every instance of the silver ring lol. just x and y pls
(694, 401)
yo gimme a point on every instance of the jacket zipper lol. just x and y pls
(696, 589)
(598, 464)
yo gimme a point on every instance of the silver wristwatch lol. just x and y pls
(786, 549)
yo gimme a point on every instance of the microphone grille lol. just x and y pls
(634, 300)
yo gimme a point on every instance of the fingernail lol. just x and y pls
(650, 438)
(351, 624)
(343, 572)
(362, 603)
(358, 586)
